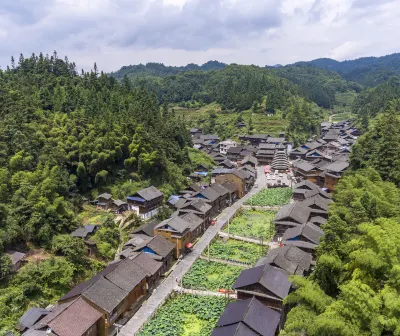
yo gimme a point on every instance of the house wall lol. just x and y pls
(179, 242)
(330, 182)
(240, 184)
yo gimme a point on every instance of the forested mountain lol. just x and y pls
(318, 85)
(62, 133)
(161, 70)
(368, 71)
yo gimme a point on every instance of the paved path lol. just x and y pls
(161, 294)
(226, 262)
(203, 293)
(245, 239)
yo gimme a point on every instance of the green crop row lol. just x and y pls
(186, 315)
(211, 276)
(271, 197)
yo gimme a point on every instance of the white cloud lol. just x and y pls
(120, 32)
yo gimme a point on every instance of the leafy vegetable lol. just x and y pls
(271, 197)
(186, 315)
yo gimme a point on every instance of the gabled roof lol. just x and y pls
(15, 256)
(148, 228)
(267, 146)
(304, 165)
(338, 166)
(280, 261)
(227, 164)
(159, 245)
(119, 202)
(273, 279)
(275, 140)
(31, 317)
(235, 150)
(177, 224)
(230, 186)
(107, 196)
(317, 200)
(76, 319)
(300, 244)
(209, 193)
(146, 262)
(195, 187)
(137, 240)
(199, 205)
(291, 253)
(220, 189)
(106, 295)
(309, 231)
(195, 221)
(249, 316)
(294, 211)
(150, 193)
(251, 159)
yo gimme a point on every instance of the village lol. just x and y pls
(236, 234)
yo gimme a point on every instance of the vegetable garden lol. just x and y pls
(271, 197)
(211, 276)
(253, 224)
(186, 315)
(235, 250)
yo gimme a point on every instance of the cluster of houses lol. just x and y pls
(324, 161)
(268, 150)
(94, 306)
(261, 290)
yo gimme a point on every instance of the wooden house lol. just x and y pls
(177, 231)
(238, 178)
(104, 201)
(17, 259)
(333, 173)
(247, 318)
(199, 208)
(268, 284)
(145, 202)
(210, 196)
(291, 215)
(306, 171)
(307, 189)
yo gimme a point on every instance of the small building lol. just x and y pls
(85, 231)
(268, 284)
(197, 225)
(224, 195)
(195, 132)
(285, 256)
(210, 196)
(250, 160)
(237, 177)
(232, 191)
(160, 249)
(145, 202)
(333, 173)
(225, 145)
(307, 189)
(177, 231)
(233, 153)
(17, 258)
(118, 206)
(76, 317)
(31, 317)
(104, 201)
(154, 268)
(227, 164)
(247, 318)
(308, 233)
(147, 229)
(202, 168)
(255, 139)
(291, 215)
(199, 208)
(306, 171)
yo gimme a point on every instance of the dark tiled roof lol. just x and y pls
(148, 228)
(230, 186)
(309, 231)
(271, 278)
(300, 244)
(32, 316)
(79, 289)
(159, 245)
(76, 319)
(199, 205)
(209, 194)
(127, 275)
(250, 159)
(146, 262)
(274, 140)
(106, 295)
(220, 189)
(150, 193)
(107, 196)
(227, 163)
(15, 256)
(317, 200)
(304, 165)
(279, 261)
(249, 316)
(337, 166)
(294, 211)
(80, 232)
(195, 187)
(176, 223)
(266, 146)
(234, 150)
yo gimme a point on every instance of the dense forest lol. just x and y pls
(367, 71)
(64, 135)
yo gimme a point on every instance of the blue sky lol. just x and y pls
(176, 32)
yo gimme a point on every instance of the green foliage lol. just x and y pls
(271, 197)
(186, 315)
(355, 284)
(198, 157)
(211, 276)
(235, 250)
(72, 248)
(253, 224)
(5, 267)
(62, 133)
(107, 241)
(379, 148)
(34, 285)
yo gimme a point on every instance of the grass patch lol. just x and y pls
(342, 116)
(271, 197)
(235, 250)
(211, 275)
(186, 315)
(253, 224)
(91, 216)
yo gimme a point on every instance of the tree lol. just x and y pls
(5, 267)
(72, 248)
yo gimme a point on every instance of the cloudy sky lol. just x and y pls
(176, 32)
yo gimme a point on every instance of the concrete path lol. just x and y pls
(245, 239)
(163, 291)
(226, 262)
(203, 293)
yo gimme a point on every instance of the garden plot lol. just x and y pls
(271, 197)
(186, 315)
(208, 275)
(255, 224)
(235, 250)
